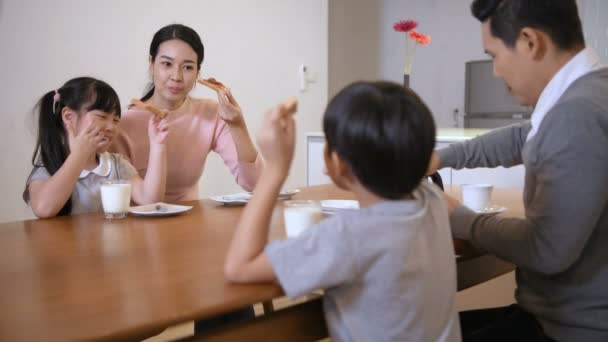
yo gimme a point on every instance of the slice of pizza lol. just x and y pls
(212, 83)
(142, 105)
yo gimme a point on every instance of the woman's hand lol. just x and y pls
(229, 109)
(276, 140)
(158, 130)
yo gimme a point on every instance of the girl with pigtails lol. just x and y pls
(76, 125)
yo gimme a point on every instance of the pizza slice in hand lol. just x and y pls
(212, 83)
(160, 113)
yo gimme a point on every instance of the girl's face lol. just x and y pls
(106, 122)
(174, 72)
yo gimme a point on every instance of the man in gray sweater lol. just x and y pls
(560, 248)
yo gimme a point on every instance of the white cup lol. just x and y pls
(301, 215)
(476, 196)
(115, 198)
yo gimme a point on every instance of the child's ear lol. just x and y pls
(338, 170)
(342, 168)
(69, 117)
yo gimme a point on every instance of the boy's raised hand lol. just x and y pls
(276, 139)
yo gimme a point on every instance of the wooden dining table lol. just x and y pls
(84, 277)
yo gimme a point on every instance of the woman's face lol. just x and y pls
(174, 71)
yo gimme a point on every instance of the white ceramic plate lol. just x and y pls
(333, 206)
(241, 198)
(491, 210)
(159, 209)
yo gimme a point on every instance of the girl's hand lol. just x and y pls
(229, 109)
(276, 140)
(158, 130)
(87, 141)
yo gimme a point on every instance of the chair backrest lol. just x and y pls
(436, 179)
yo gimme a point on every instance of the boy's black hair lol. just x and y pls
(558, 18)
(384, 132)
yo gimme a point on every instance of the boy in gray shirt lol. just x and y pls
(388, 269)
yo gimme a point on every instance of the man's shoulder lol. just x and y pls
(584, 100)
(591, 87)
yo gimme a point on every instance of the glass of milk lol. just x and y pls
(300, 215)
(115, 198)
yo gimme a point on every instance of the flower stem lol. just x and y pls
(406, 67)
(413, 55)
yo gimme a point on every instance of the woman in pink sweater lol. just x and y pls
(198, 126)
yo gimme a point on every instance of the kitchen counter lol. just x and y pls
(443, 134)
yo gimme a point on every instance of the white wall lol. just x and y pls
(364, 46)
(253, 46)
(438, 71)
(594, 15)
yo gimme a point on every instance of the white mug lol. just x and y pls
(115, 198)
(476, 196)
(300, 215)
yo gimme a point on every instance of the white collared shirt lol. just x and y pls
(583, 63)
(86, 196)
(103, 169)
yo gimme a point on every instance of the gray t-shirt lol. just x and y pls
(388, 271)
(86, 197)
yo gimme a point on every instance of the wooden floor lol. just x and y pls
(497, 292)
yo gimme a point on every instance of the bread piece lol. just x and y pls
(212, 83)
(161, 114)
(290, 105)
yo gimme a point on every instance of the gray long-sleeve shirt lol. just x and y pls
(560, 248)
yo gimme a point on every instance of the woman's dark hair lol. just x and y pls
(82, 94)
(170, 32)
(558, 18)
(384, 132)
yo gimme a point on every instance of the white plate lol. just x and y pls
(491, 210)
(159, 209)
(241, 198)
(332, 206)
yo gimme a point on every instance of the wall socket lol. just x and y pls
(305, 76)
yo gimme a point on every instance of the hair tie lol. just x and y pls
(56, 99)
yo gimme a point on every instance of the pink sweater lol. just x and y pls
(196, 129)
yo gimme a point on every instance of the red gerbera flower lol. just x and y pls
(422, 39)
(405, 25)
(408, 27)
